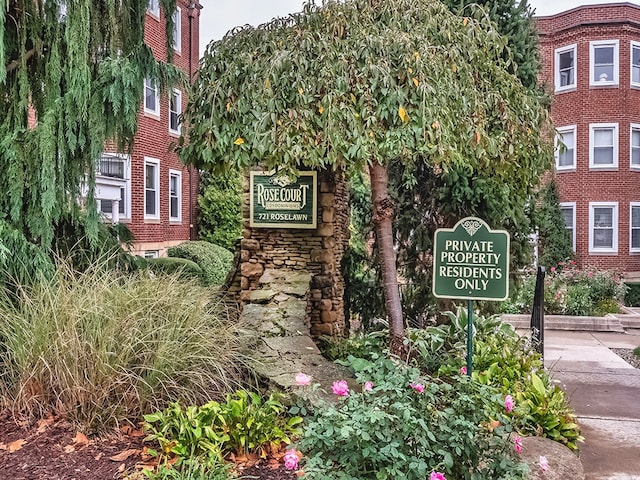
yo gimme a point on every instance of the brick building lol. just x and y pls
(591, 65)
(150, 190)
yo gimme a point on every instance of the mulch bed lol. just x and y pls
(52, 449)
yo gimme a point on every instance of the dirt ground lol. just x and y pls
(52, 449)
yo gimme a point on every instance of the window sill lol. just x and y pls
(605, 168)
(175, 222)
(149, 114)
(565, 169)
(597, 86)
(573, 88)
(174, 134)
(152, 221)
(603, 253)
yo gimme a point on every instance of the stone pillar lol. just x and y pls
(318, 252)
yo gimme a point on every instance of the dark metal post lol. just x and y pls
(469, 337)
(537, 313)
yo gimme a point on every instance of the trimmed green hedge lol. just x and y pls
(187, 268)
(215, 261)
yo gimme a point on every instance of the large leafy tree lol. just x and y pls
(358, 84)
(71, 78)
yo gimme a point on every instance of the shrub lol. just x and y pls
(219, 202)
(214, 260)
(395, 431)
(245, 423)
(103, 346)
(632, 295)
(169, 265)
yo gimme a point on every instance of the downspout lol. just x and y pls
(191, 14)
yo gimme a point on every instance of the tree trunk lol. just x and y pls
(382, 220)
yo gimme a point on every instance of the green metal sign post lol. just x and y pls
(276, 201)
(471, 261)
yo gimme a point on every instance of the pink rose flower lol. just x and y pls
(368, 386)
(437, 476)
(553, 269)
(508, 403)
(291, 460)
(418, 387)
(517, 444)
(340, 388)
(544, 463)
(463, 370)
(303, 379)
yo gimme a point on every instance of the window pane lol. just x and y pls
(174, 207)
(635, 238)
(603, 73)
(603, 217)
(150, 177)
(566, 68)
(566, 60)
(565, 157)
(567, 216)
(603, 238)
(635, 217)
(603, 137)
(603, 156)
(635, 72)
(150, 202)
(110, 167)
(603, 55)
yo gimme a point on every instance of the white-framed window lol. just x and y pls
(634, 227)
(566, 148)
(568, 211)
(603, 62)
(151, 254)
(634, 148)
(603, 227)
(175, 109)
(175, 195)
(154, 8)
(603, 145)
(177, 29)
(151, 97)
(117, 168)
(565, 67)
(635, 64)
(151, 188)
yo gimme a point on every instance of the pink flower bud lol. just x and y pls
(291, 460)
(508, 403)
(340, 388)
(418, 387)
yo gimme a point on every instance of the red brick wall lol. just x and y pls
(154, 140)
(586, 105)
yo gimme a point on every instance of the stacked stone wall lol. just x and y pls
(317, 251)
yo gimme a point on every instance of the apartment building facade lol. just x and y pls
(150, 190)
(591, 66)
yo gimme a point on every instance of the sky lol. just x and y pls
(219, 16)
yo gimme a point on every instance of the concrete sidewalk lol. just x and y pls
(604, 390)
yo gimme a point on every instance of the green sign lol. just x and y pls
(275, 201)
(470, 261)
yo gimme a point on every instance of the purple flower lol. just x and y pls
(340, 388)
(418, 387)
(291, 460)
(508, 403)
(368, 386)
(303, 379)
(437, 476)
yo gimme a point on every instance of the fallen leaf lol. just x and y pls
(16, 445)
(238, 141)
(81, 439)
(122, 467)
(69, 449)
(99, 456)
(122, 456)
(130, 431)
(44, 424)
(402, 113)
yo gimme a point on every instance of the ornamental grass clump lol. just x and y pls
(104, 346)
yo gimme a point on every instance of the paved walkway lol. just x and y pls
(604, 390)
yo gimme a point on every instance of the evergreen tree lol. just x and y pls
(514, 19)
(554, 240)
(71, 78)
(220, 219)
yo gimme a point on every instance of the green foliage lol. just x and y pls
(219, 205)
(191, 469)
(170, 265)
(506, 361)
(572, 291)
(396, 432)
(215, 261)
(636, 351)
(103, 346)
(632, 295)
(514, 19)
(79, 72)
(554, 239)
(245, 423)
